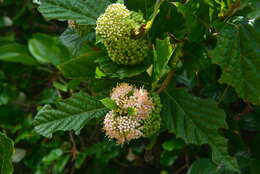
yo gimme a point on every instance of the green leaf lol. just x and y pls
(5, 21)
(146, 6)
(237, 52)
(48, 96)
(203, 166)
(168, 158)
(82, 11)
(82, 66)
(173, 144)
(109, 103)
(196, 15)
(103, 151)
(60, 86)
(117, 71)
(171, 21)
(254, 5)
(16, 53)
(254, 166)
(8, 39)
(131, 111)
(48, 49)
(6, 152)
(55, 154)
(70, 114)
(162, 55)
(197, 121)
(75, 43)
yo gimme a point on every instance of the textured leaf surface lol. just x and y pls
(196, 14)
(203, 166)
(6, 152)
(197, 121)
(169, 20)
(162, 55)
(82, 11)
(238, 54)
(82, 66)
(70, 114)
(75, 43)
(16, 53)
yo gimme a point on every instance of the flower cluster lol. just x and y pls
(137, 115)
(115, 27)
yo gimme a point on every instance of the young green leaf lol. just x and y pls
(197, 121)
(131, 111)
(109, 103)
(237, 53)
(82, 66)
(173, 144)
(162, 55)
(70, 114)
(6, 152)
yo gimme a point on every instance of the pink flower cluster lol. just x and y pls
(121, 124)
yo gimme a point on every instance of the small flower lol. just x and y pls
(137, 115)
(121, 90)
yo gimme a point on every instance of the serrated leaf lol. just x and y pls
(75, 43)
(196, 15)
(162, 55)
(82, 11)
(6, 152)
(238, 54)
(16, 53)
(109, 103)
(169, 20)
(117, 71)
(70, 114)
(203, 166)
(82, 66)
(197, 121)
(48, 49)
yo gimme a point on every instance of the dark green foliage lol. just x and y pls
(201, 66)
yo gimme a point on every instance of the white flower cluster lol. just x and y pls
(121, 128)
(115, 27)
(135, 109)
(111, 24)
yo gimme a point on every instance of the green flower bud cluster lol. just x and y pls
(116, 27)
(153, 123)
(80, 29)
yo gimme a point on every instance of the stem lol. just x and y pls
(186, 165)
(223, 95)
(181, 169)
(155, 13)
(74, 150)
(166, 81)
